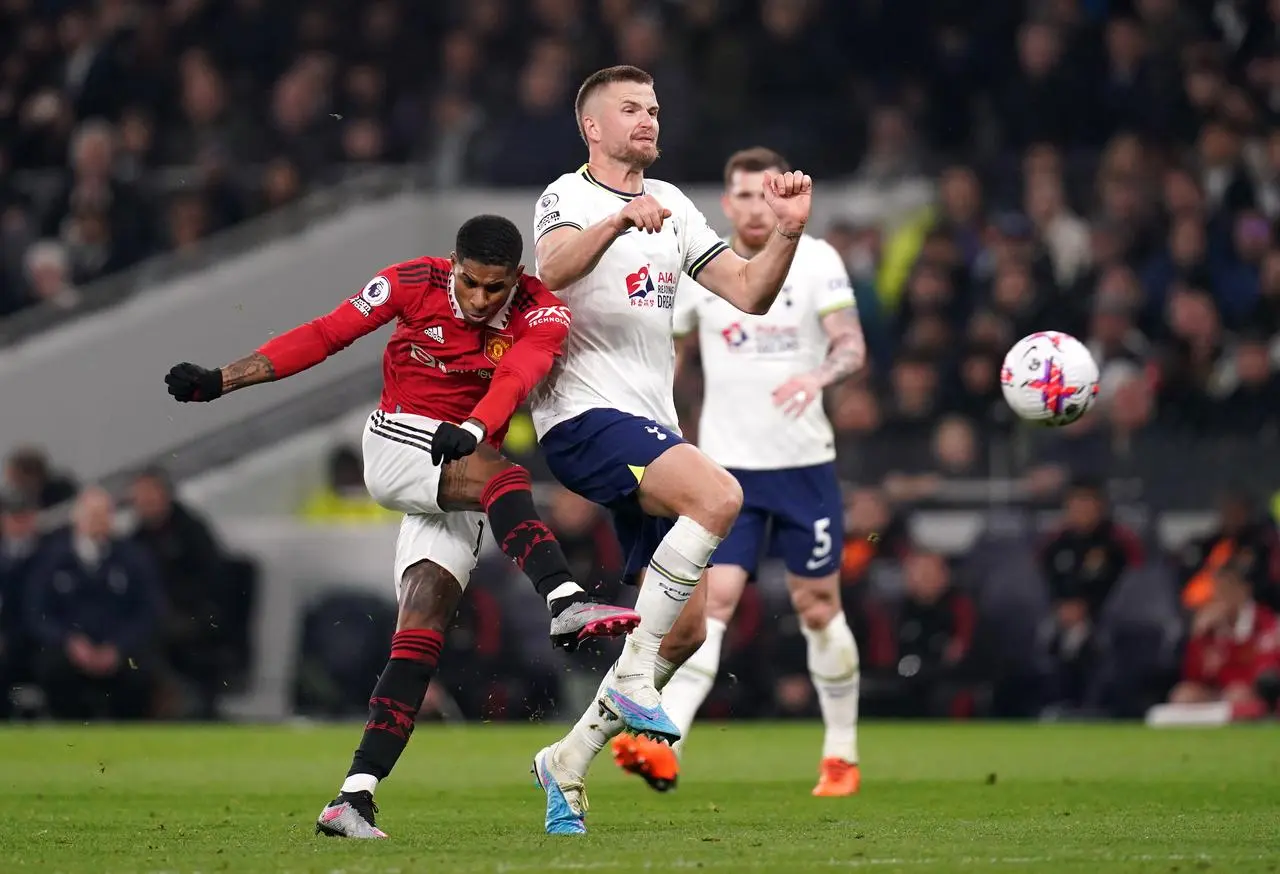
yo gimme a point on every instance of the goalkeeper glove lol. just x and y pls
(190, 382)
(452, 442)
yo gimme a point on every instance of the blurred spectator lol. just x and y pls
(344, 497)
(20, 541)
(27, 473)
(101, 218)
(872, 531)
(1234, 651)
(49, 275)
(93, 604)
(192, 573)
(1082, 563)
(1246, 539)
(543, 114)
(917, 646)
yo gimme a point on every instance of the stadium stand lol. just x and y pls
(1104, 167)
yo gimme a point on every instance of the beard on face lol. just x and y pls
(636, 156)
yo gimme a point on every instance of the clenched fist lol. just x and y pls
(643, 213)
(790, 196)
(191, 382)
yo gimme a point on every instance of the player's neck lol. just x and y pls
(625, 178)
(742, 249)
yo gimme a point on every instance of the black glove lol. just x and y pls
(451, 442)
(190, 382)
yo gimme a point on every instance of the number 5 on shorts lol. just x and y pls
(821, 544)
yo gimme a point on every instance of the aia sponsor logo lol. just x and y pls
(651, 289)
(639, 285)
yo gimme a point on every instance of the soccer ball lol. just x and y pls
(1049, 378)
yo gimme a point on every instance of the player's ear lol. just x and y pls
(519, 271)
(453, 260)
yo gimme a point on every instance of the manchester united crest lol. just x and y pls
(495, 346)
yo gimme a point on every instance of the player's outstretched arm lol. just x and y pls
(293, 351)
(567, 254)
(190, 382)
(752, 286)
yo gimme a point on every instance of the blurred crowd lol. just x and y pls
(115, 614)
(1110, 168)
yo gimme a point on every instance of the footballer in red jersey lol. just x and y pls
(474, 335)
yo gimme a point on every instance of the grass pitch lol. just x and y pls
(113, 800)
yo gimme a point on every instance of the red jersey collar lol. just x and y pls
(500, 319)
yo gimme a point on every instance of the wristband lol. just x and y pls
(797, 235)
(476, 431)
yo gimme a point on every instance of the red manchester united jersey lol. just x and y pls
(437, 364)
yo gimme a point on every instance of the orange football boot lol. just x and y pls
(655, 762)
(837, 778)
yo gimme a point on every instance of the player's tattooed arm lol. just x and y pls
(848, 350)
(250, 370)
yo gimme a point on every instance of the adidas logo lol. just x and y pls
(435, 332)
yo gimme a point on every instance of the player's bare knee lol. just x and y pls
(816, 606)
(720, 501)
(429, 596)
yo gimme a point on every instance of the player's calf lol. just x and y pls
(488, 482)
(429, 597)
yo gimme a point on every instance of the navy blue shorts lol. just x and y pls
(795, 514)
(602, 455)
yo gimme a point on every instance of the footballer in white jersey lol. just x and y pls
(746, 358)
(613, 245)
(619, 355)
(762, 418)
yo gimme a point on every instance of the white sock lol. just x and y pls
(563, 590)
(834, 670)
(673, 573)
(693, 682)
(595, 728)
(360, 783)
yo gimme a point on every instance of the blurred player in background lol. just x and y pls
(613, 245)
(475, 335)
(762, 418)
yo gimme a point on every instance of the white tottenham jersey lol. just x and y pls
(620, 354)
(746, 357)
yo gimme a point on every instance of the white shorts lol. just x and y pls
(400, 476)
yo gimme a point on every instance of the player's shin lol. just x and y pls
(692, 681)
(525, 539)
(834, 670)
(393, 707)
(673, 574)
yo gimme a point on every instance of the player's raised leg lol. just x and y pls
(704, 499)
(429, 595)
(694, 680)
(690, 684)
(486, 481)
(734, 562)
